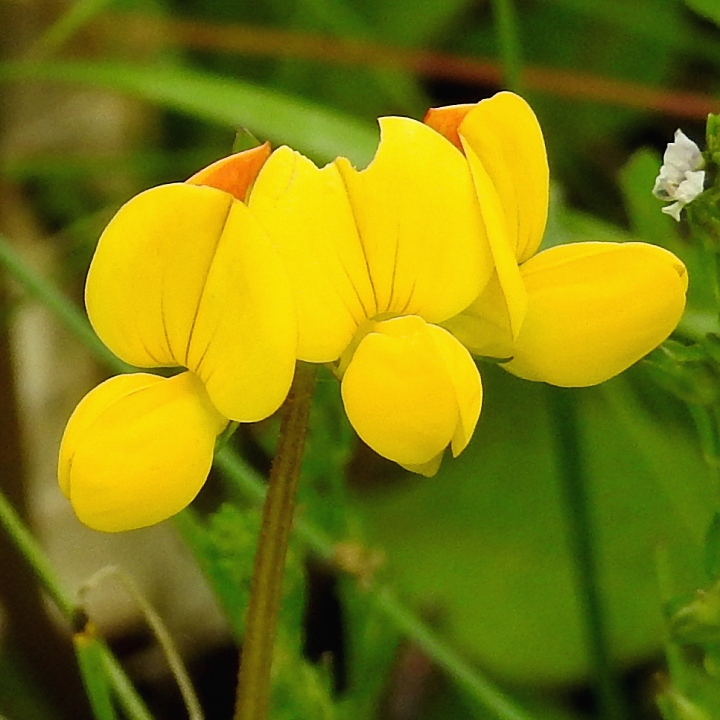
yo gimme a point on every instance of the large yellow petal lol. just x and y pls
(307, 214)
(244, 334)
(419, 222)
(410, 390)
(505, 135)
(137, 450)
(149, 270)
(596, 308)
(185, 276)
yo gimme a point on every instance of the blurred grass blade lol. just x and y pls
(89, 653)
(80, 14)
(508, 41)
(316, 131)
(159, 631)
(26, 544)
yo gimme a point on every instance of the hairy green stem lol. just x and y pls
(509, 43)
(573, 481)
(253, 692)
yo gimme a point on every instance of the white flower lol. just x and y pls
(681, 178)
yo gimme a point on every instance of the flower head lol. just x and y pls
(183, 276)
(377, 259)
(572, 315)
(681, 176)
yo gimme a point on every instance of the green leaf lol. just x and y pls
(484, 542)
(709, 9)
(319, 132)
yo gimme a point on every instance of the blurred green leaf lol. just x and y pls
(484, 543)
(320, 133)
(709, 9)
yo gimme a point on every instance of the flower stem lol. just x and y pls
(611, 705)
(253, 692)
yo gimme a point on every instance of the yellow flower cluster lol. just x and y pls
(392, 275)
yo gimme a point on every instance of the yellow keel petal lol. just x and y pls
(410, 390)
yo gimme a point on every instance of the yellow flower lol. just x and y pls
(377, 260)
(572, 315)
(183, 276)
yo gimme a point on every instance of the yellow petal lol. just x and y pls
(149, 270)
(506, 298)
(183, 275)
(484, 328)
(410, 390)
(244, 333)
(307, 214)
(596, 308)
(419, 222)
(505, 135)
(234, 174)
(137, 450)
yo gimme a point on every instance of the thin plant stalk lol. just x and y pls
(28, 547)
(253, 692)
(582, 539)
(506, 31)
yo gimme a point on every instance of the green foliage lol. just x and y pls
(707, 8)
(484, 543)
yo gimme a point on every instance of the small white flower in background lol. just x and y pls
(681, 177)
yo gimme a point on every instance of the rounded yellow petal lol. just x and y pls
(307, 214)
(419, 222)
(504, 134)
(596, 308)
(184, 276)
(137, 450)
(410, 390)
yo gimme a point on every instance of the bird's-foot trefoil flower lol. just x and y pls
(572, 315)
(379, 258)
(183, 276)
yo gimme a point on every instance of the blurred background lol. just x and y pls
(100, 99)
